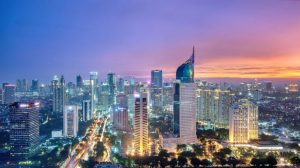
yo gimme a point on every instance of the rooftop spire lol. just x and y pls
(193, 51)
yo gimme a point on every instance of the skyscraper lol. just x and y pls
(141, 125)
(93, 88)
(1, 96)
(156, 79)
(70, 128)
(121, 85)
(243, 123)
(79, 81)
(22, 85)
(24, 129)
(35, 85)
(86, 110)
(9, 91)
(111, 79)
(156, 90)
(185, 103)
(59, 95)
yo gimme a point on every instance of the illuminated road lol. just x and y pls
(82, 150)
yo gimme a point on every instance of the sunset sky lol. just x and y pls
(232, 38)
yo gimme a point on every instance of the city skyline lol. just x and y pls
(43, 39)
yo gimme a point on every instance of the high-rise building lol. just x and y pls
(243, 122)
(59, 95)
(185, 103)
(70, 128)
(35, 85)
(9, 91)
(1, 96)
(111, 79)
(156, 90)
(93, 90)
(141, 125)
(156, 79)
(121, 85)
(120, 118)
(4, 119)
(24, 129)
(213, 106)
(293, 88)
(22, 85)
(79, 81)
(86, 110)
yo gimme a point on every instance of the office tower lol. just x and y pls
(22, 85)
(156, 90)
(4, 119)
(111, 79)
(86, 110)
(141, 125)
(268, 86)
(93, 88)
(223, 100)
(156, 79)
(185, 103)
(35, 85)
(70, 121)
(79, 81)
(168, 94)
(243, 124)
(120, 114)
(9, 91)
(205, 105)
(121, 85)
(120, 119)
(59, 95)
(24, 129)
(1, 96)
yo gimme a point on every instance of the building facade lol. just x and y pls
(141, 125)
(185, 103)
(24, 129)
(243, 122)
(70, 127)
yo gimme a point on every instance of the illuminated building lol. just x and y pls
(87, 110)
(59, 95)
(111, 79)
(168, 94)
(24, 129)
(243, 124)
(93, 88)
(70, 127)
(156, 90)
(213, 106)
(185, 103)
(293, 88)
(120, 113)
(9, 92)
(141, 125)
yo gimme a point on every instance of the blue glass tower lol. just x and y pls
(184, 74)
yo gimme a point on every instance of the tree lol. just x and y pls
(188, 154)
(90, 163)
(255, 162)
(205, 162)
(271, 161)
(233, 161)
(173, 162)
(195, 162)
(295, 161)
(163, 156)
(182, 161)
(198, 149)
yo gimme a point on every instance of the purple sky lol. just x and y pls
(233, 38)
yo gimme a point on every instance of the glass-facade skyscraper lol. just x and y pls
(24, 129)
(185, 103)
(156, 90)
